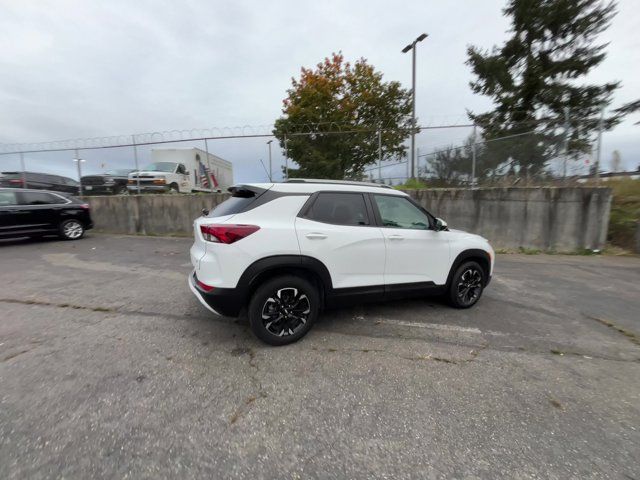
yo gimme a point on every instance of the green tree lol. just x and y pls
(534, 76)
(337, 95)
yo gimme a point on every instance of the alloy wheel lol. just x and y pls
(72, 230)
(286, 311)
(469, 286)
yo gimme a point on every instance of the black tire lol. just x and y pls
(174, 188)
(466, 285)
(122, 190)
(71, 229)
(283, 309)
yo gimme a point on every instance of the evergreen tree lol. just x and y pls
(535, 75)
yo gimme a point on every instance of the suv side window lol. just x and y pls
(339, 209)
(399, 212)
(7, 199)
(37, 198)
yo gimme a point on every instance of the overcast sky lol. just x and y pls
(79, 68)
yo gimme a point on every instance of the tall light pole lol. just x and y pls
(78, 161)
(412, 47)
(270, 171)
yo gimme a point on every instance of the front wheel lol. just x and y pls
(71, 229)
(283, 309)
(466, 285)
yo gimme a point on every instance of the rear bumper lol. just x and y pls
(227, 302)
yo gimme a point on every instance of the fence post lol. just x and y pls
(135, 158)
(380, 155)
(210, 180)
(599, 150)
(24, 171)
(566, 144)
(473, 158)
(286, 157)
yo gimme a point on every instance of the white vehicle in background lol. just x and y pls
(182, 170)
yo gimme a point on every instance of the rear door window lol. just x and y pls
(339, 209)
(40, 198)
(7, 199)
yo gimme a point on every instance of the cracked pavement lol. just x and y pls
(110, 368)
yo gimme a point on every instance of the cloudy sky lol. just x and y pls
(79, 68)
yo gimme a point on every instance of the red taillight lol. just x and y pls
(85, 206)
(204, 286)
(227, 233)
(16, 181)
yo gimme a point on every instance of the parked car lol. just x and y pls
(39, 181)
(107, 183)
(37, 213)
(285, 251)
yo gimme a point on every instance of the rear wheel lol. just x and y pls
(71, 229)
(283, 309)
(466, 285)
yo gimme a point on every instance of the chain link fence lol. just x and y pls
(446, 155)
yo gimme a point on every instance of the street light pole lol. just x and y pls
(412, 47)
(270, 171)
(78, 161)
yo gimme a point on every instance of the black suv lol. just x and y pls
(40, 181)
(110, 182)
(36, 213)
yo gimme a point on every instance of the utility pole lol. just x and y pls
(473, 158)
(566, 143)
(599, 151)
(78, 161)
(270, 171)
(412, 47)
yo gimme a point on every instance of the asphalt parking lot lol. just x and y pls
(110, 368)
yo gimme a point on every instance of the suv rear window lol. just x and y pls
(339, 209)
(239, 202)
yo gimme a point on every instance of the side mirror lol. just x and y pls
(441, 225)
(205, 212)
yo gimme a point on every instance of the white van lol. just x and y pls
(182, 170)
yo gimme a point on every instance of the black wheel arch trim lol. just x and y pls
(273, 263)
(472, 254)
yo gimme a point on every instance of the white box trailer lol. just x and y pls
(183, 170)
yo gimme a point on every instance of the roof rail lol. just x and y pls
(336, 182)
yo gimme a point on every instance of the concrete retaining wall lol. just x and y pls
(560, 219)
(150, 214)
(547, 218)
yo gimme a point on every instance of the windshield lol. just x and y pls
(161, 167)
(118, 173)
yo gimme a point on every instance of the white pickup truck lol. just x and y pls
(182, 170)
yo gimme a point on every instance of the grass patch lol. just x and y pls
(412, 184)
(625, 212)
(529, 251)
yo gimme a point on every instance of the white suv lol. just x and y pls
(285, 251)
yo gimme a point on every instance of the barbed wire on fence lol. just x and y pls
(245, 131)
